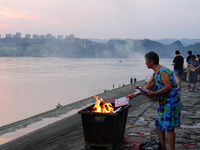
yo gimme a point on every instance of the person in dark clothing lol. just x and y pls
(193, 64)
(135, 80)
(189, 57)
(131, 80)
(198, 58)
(178, 68)
(187, 60)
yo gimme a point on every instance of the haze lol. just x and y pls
(136, 19)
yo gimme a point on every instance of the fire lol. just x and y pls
(102, 107)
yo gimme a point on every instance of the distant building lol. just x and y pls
(66, 37)
(42, 36)
(71, 36)
(8, 35)
(60, 37)
(27, 36)
(82, 43)
(49, 36)
(18, 35)
(35, 36)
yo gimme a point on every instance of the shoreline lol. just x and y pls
(56, 112)
(25, 126)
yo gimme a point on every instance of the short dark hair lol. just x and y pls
(152, 56)
(177, 52)
(193, 56)
(189, 52)
(198, 55)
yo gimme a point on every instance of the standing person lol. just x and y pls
(193, 65)
(198, 57)
(168, 114)
(187, 60)
(178, 68)
(131, 80)
(135, 80)
(189, 56)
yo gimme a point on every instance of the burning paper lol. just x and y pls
(102, 107)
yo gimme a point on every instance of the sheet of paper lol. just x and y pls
(143, 90)
(137, 91)
(192, 68)
(121, 101)
(117, 110)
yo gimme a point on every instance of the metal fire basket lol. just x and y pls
(103, 129)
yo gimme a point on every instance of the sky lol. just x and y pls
(102, 19)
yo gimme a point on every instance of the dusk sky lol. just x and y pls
(103, 19)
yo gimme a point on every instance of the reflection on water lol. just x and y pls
(29, 86)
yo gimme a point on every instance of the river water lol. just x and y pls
(29, 86)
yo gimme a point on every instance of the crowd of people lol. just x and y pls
(192, 70)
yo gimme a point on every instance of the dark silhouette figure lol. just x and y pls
(131, 80)
(135, 80)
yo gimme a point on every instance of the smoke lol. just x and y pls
(130, 49)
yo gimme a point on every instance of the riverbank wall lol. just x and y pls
(109, 95)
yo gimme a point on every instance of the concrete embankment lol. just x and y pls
(66, 133)
(110, 95)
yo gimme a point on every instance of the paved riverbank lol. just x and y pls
(141, 120)
(67, 133)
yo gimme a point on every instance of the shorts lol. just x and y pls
(178, 72)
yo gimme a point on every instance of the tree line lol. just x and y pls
(84, 48)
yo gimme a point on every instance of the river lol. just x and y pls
(29, 86)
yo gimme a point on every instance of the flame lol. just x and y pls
(102, 107)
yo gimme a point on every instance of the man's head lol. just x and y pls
(198, 56)
(177, 52)
(189, 52)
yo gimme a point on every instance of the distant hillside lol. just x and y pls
(84, 48)
(184, 41)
